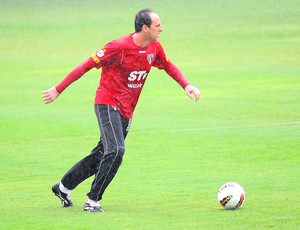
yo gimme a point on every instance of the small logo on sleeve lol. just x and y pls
(100, 53)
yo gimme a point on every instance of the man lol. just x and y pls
(125, 64)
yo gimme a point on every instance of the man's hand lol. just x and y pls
(50, 95)
(189, 89)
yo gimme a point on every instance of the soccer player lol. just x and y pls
(125, 63)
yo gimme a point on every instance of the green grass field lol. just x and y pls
(243, 55)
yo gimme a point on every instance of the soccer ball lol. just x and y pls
(231, 195)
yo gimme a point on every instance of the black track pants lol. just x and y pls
(106, 157)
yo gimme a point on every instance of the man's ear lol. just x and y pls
(145, 28)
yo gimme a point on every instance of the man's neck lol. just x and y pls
(140, 40)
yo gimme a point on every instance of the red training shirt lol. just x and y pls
(125, 67)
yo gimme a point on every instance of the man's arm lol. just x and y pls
(52, 93)
(175, 73)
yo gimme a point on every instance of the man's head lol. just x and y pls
(148, 21)
(142, 18)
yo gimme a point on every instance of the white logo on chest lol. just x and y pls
(137, 75)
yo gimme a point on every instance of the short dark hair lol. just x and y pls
(142, 18)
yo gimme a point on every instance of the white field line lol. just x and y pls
(183, 130)
(238, 127)
(95, 137)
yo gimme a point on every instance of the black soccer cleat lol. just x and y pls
(87, 207)
(64, 198)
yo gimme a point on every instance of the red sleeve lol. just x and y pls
(175, 73)
(75, 74)
(107, 55)
(163, 62)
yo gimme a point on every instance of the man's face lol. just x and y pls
(155, 28)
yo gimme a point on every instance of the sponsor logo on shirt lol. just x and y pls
(137, 76)
(135, 86)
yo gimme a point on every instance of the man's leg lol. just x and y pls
(114, 129)
(83, 169)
